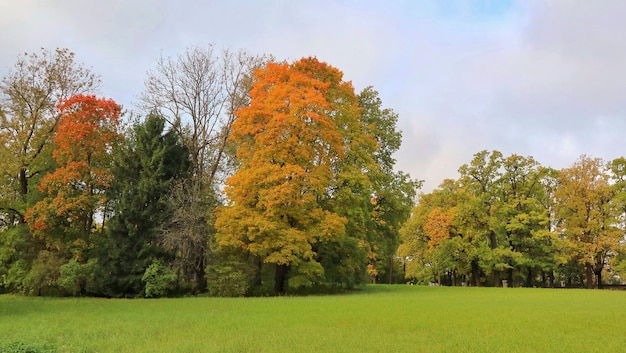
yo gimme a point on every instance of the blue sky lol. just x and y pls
(540, 78)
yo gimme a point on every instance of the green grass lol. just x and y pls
(377, 319)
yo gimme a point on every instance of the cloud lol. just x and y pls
(532, 78)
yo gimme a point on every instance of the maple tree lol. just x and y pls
(287, 145)
(86, 133)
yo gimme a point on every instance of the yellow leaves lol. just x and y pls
(287, 141)
(371, 270)
(438, 226)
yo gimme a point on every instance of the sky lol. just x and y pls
(531, 77)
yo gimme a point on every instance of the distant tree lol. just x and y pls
(393, 191)
(589, 215)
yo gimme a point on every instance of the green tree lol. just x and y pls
(481, 180)
(393, 191)
(523, 220)
(144, 172)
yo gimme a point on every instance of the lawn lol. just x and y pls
(377, 319)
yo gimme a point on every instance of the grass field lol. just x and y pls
(377, 319)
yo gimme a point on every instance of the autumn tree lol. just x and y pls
(287, 147)
(86, 134)
(29, 93)
(589, 215)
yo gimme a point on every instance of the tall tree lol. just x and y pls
(481, 179)
(144, 172)
(589, 215)
(287, 145)
(28, 97)
(394, 192)
(73, 194)
(29, 93)
(198, 93)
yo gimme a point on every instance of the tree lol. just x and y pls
(198, 93)
(29, 93)
(28, 119)
(588, 215)
(480, 179)
(144, 171)
(287, 145)
(523, 220)
(73, 194)
(394, 192)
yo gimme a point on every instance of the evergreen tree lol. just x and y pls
(144, 173)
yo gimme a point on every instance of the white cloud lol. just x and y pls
(539, 78)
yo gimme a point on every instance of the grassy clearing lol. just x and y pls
(377, 319)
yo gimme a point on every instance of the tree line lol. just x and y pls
(237, 175)
(510, 220)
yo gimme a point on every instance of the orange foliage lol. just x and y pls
(86, 132)
(287, 142)
(438, 226)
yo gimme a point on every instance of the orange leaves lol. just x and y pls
(87, 127)
(86, 133)
(287, 141)
(438, 226)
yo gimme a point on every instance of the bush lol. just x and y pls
(159, 279)
(229, 279)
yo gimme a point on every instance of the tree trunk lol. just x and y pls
(551, 279)
(476, 273)
(589, 275)
(390, 269)
(280, 277)
(529, 278)
(598, 273)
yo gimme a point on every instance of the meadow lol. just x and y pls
(378, 318)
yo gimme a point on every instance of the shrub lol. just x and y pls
(159, 279)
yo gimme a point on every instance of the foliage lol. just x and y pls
(144, 171)
(510, 219)
(230, 277)
(75, 191)
(287, 144)
(160, 280)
